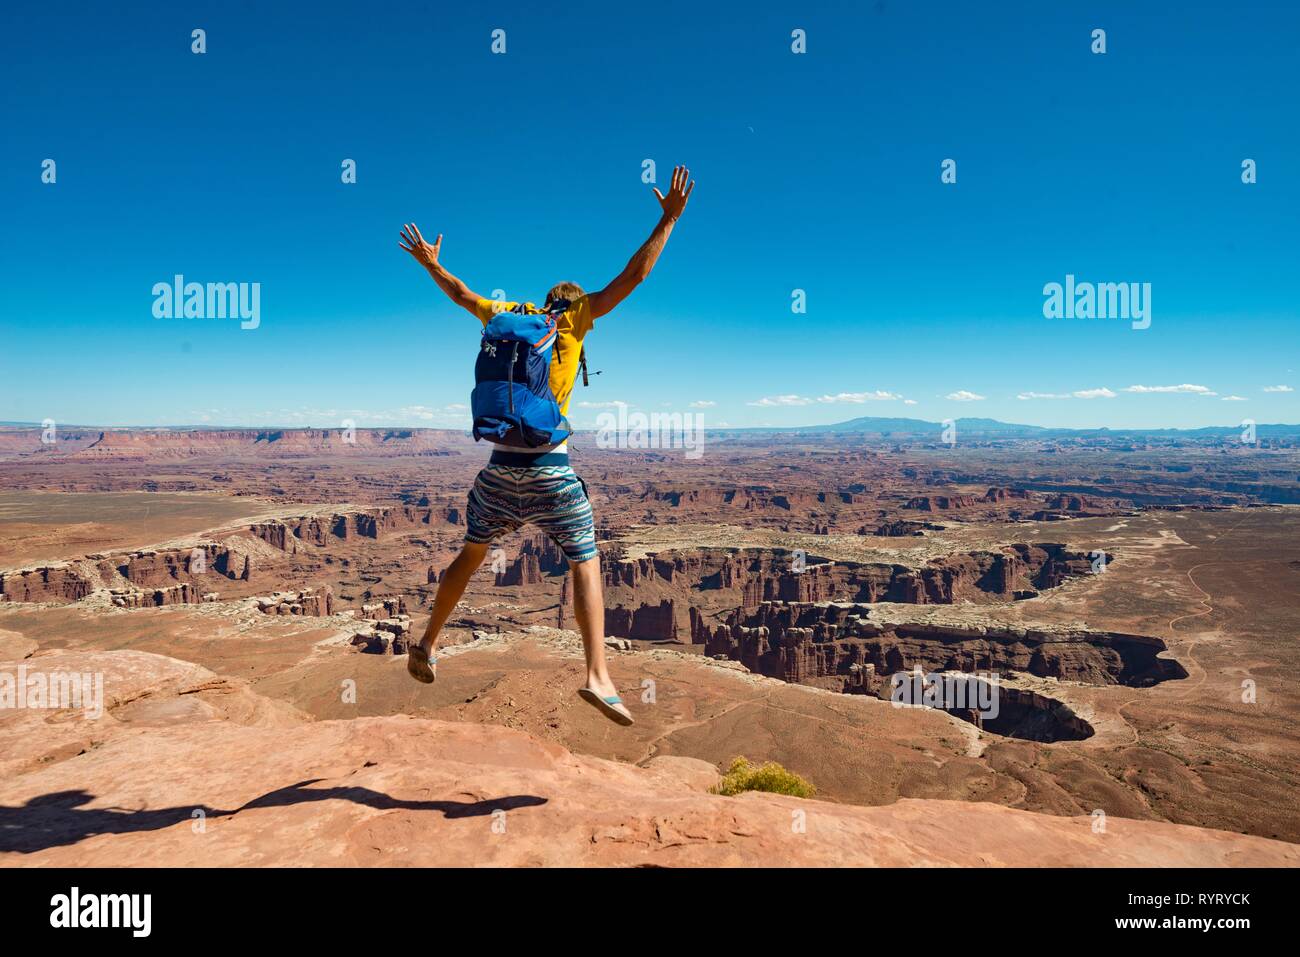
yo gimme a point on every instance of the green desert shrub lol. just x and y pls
(743, 776)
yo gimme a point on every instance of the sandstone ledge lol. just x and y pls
(273, 789)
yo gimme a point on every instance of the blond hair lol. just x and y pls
(569, 291)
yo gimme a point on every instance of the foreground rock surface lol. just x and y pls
(233, 782)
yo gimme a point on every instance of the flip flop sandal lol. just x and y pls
(420, 666)
(611, 707)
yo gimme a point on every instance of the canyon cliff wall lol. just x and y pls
(799, 641)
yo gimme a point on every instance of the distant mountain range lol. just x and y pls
(866, 424)
(977, 426)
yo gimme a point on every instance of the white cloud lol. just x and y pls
(703, 404)
(856, 398)
(600, 405)
(1185, 388)
(859, 397)
(1278, 388)
(909, 402)
(963, 395)
(1102, 393)
(419, 416)
(778, 400)
(417, 412)
(455, 412)
(1234, 398)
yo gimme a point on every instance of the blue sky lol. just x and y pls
(818, 171)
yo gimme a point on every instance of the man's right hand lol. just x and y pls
(678, 193)
(413, 243)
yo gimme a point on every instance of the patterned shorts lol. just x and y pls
(552, 497)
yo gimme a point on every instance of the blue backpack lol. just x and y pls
(512, 402)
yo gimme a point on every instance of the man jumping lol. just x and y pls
(538, 486)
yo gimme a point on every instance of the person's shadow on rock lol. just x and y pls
(302, 792)
(58, 819)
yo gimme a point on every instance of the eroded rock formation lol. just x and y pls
(372, 523)
(309, 601)
(162, 567)
(800, 641)
(941, 503)
(388, 636)
(55, 583)
(185, 593)
(647, 622)
(384, 608)
(752, 577)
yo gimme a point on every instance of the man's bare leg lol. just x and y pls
(589, 609)
(451, 588)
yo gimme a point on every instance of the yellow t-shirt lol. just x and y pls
(572, 325)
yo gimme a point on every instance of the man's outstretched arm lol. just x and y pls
(427, 256)
(644, 260)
